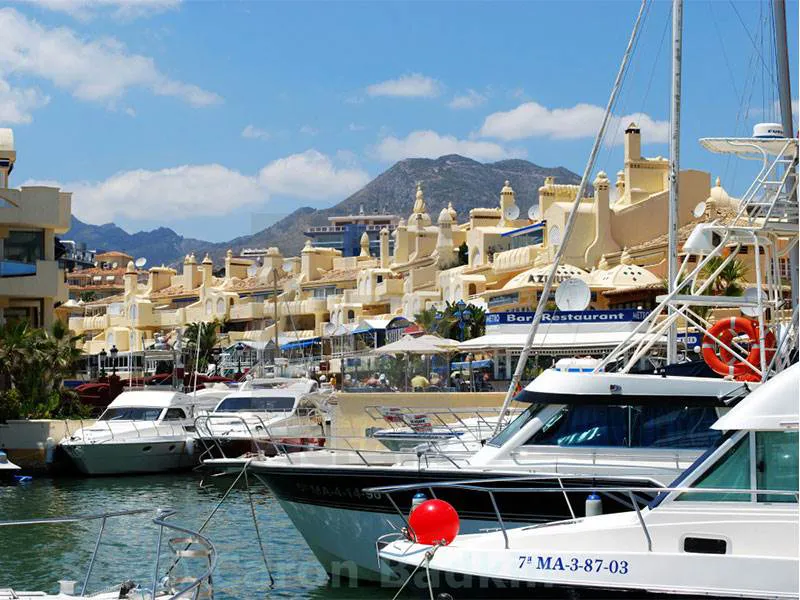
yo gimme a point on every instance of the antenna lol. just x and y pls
(511, 213)
(252, 270)
(699, 210)
(140, 262)
(114, 265)
(573, 294)
(533, 212)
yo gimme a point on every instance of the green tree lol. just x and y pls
(730, 281)
(33, 365)
(88, 296)
(463, 254)
(208, 340)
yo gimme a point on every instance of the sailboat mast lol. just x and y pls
(785, 98)
(674, 167)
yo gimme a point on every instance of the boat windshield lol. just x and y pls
(656, 426)
(256, 404)
(131, 413)
(514, 426)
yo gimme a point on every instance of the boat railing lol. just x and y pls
(188, 545)
(633, 493)
(559, 456)
(155, 428)
(209, 438)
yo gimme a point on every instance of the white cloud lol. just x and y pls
(207, 190)
(429, 144)
(582, 120)
(356, 127)
(471, 99)
(253, 132)
(16, 104)
(120, 9)
(308, 130)
(96, 70)
(354, 100)
(311, 175)
(407, 86)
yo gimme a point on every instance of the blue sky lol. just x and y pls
(208, 117)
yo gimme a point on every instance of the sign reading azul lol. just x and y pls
(569, 316)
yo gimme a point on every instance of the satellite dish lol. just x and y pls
(573, 294)
(511, 213)
(114, 265)
(699, 210)
(288, 267)
(328, 329)
(533, 212)
(751, 295)
(140, 262)
(252, 270)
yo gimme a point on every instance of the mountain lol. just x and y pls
(464, 182)
(161, 245)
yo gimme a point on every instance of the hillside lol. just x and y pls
(463, 181)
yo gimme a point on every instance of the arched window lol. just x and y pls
(209, 307)
(472, 289)
(221, 306)
(351, 314)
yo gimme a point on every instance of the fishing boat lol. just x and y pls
(267, 418)
(141, 431)
(727, 527)
(187, 574)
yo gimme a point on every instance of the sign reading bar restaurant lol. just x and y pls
(626, 315)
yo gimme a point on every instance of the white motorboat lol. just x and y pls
(7, 468)
(600, 429)
(187, 575)
(281, 416)
(141, 431)
(728, 527)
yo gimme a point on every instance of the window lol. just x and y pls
(776, 464)
(24, 246)
(731, 471)
(255, 403)
(129, 413)
(174, 414)
(776, 469)
(512, 428)
(648, 426)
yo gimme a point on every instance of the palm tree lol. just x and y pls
(208, 340)
(427, 320)
(730, 281)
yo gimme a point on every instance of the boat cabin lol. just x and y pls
(156, 406)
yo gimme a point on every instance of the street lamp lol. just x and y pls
(464, 316)
(102, 362)
(114, 359)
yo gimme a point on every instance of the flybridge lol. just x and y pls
(571, 316)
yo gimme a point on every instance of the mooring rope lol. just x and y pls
(258, 532)
(425, 559)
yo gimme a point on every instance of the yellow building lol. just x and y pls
(31, 282)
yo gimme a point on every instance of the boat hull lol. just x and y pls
(341, 523)
(142, 456)
(234, 447)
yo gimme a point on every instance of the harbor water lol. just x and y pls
(36, 557)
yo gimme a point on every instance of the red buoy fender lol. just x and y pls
(723, 362)
(434, 522)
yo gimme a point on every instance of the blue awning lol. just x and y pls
(486, 363)
(300, 343)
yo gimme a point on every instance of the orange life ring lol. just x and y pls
(723, 362)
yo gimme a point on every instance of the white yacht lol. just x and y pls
(600, 429)
(728, 527)
(141, 431)
(281, 416)
(7, 468)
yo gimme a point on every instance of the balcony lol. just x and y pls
(247, 311)
(41, 279)
(36, 206)
(13, 268)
